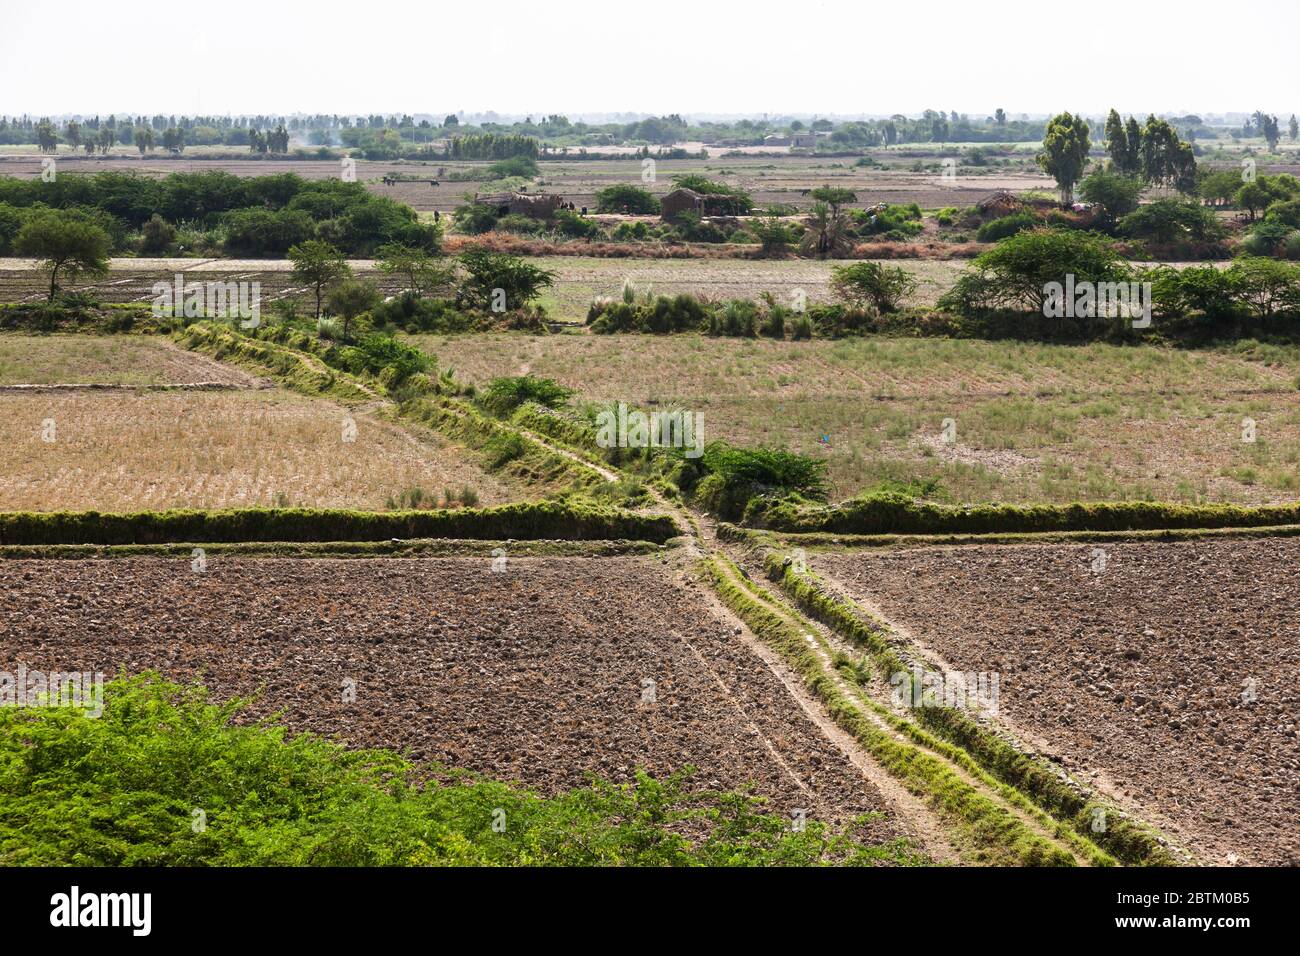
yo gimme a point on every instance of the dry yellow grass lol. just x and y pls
(133, 451)
(1034, 422)
(107, 360)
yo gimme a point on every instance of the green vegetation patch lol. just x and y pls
(533, 520)
(166, 777)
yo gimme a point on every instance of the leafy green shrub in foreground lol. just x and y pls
(133, 786)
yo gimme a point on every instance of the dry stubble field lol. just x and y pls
(130, 451)
(117, 360)
(578, 279)
(770, 178)
(1033, 422)
(1170, 679)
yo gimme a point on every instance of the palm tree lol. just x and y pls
(826, 233)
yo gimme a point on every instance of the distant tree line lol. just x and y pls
(253, 216)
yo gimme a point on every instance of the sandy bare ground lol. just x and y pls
(1170, 677)
(548, 672)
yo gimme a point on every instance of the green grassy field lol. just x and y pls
(1032, 422)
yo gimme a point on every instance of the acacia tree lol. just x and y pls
(870, 283)
(65, 241)
(351, 298)
(319, 265)
(73, 134)
(498, 282)
(1065, 152)
(423, 273)
(834, 196)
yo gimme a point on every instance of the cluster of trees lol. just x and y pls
(1261, 124)
(1151, 154)
(1017, 275)
(478, 280)
(492, 146)
(172, 133)
(1154, 152)
(272, 141)
(934, 126)
(253, 216)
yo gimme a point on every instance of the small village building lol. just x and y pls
(999, 204)
(679, 201)
(538, 206)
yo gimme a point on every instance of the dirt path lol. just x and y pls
(914, 815)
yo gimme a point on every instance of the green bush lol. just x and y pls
(521, 521)
(870, 283)
(902, 221)
(660, 315)
(503, 395)
(732, 477)
(1171, 220)
(572, 225)
(523, 167)
(414, 313)
(376, 353)
(997, 229)
(899, 514)
(503, 448)
(1015, 274)
(628, 199)
(121, 790)
(475, 218)
(736, 318)
(1267, 238)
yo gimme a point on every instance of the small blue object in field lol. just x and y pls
(826, 439)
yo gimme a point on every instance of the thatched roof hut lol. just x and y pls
(679, 201)
(539, 206)
(1000, 203)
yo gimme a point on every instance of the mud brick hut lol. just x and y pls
(679, 201)
(540, 206)
(1001, 203)
(704, 205)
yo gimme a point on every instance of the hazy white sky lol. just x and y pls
(654, 56)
